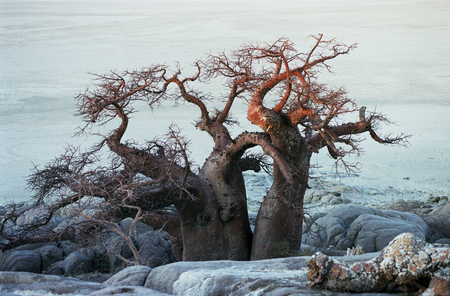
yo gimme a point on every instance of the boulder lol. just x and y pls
(406, 265)
(131, 276)
(77, 263)
(21, 260)
(24, 283)
(440, 284)
(68, 247)
(86, 260)
(139, 227)
(50, 254)
(439, 225)
(55, 269)
(34, 246)
(333, 197)
(128, 291)
(155, 248)
(351, 225)
(445, 241)
(33, 215)
(117, 245)
(285, 276)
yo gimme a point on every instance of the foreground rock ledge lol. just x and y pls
(407, 264)
(26, 283)
(287, 276)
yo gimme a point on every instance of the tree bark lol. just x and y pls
(278, 229)
(214, 223)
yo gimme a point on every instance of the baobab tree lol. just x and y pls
(297, 116)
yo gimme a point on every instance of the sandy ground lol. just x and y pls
(401, 67)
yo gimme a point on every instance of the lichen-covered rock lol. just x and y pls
(21, 260)
(440, 284)
(131, 276)
(351, 225)
(406, 264)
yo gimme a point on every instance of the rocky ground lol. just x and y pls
(342, 221)
(266, 277)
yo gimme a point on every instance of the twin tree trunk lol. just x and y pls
(278, 229)
(215, 222)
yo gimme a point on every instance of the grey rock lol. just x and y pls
(155, 248)
(373, 233)
(21, 260)
(139, 227)
(286, 276)
(24, 283)
(131, 276)
(128, 291)
(443, 201)
(342, 189)
(332, 197)
(34, 246)
(65, 224)
(36, 215)
(32, 215)
(50, 254)
(439, 225)
(101, 258)
(403, 205)
(7, 227)
(444, 241)
(351, 225)
(441, 209)
(68, 247)
(98, 256)
(55, 269)
(77, 263)
(117, 245)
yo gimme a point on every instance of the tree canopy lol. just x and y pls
(297, 116)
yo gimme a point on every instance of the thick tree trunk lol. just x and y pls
(278, 230)
(215, 223)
